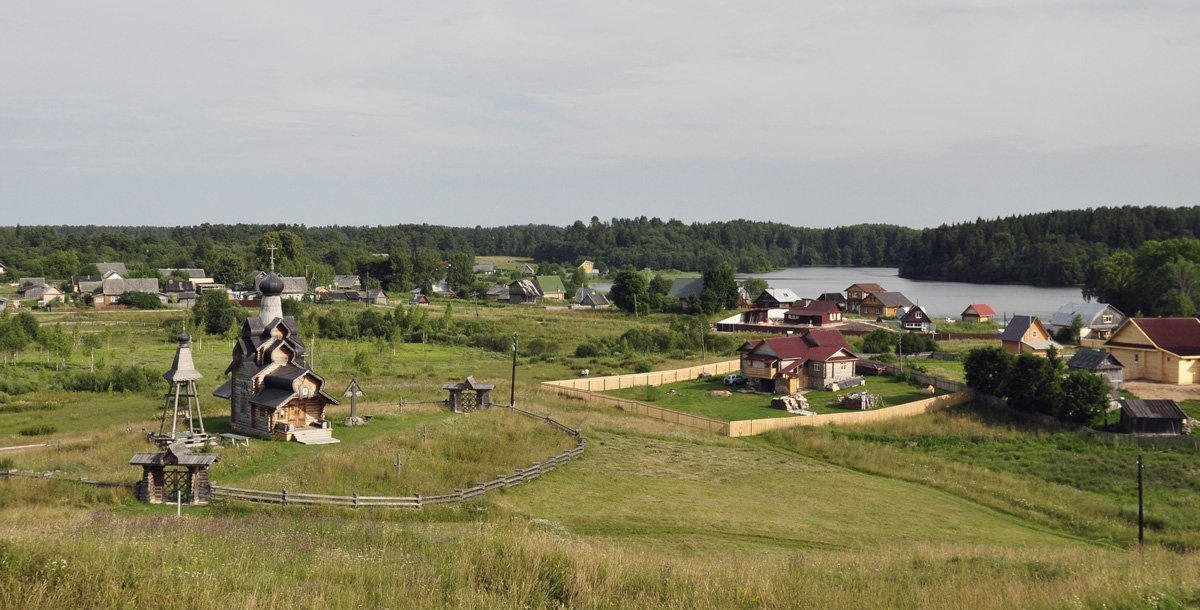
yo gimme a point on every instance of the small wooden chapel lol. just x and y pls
(272, 392)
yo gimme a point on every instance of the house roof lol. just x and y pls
(892, 299)
(114, 286)
(1152, 409)
(498, 289)
(190, 273)
(1094, 360)
(483, 268)
(910, 315)
(781, 295)
(346, 281)
(813, 308)
(550, 283)
(30, 282)
(594, 299)
(836, 297)
(821, 345)
(118, 268)
(980, 309)
(1015, 331)
(524, 287)
(866, 287)
(1065, 316)
(1180, 336)
(684, 287)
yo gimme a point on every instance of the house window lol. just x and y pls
(1034, 334)
(1107, 319)
(1137, 357)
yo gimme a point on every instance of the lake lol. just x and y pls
(938, 299)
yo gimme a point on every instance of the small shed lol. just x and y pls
(1101, 363)
(1151, 416)
(469, 395)
(174, 473)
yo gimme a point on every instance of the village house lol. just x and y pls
(551, 287)
(978, 312)
(684, 287)
(527, 269)
(915, 319)
(784, 365)
(347, 282)
(776, 298)
(86, 284)
(590, 297)
(272, 392)
(114, 286)
(417, 297)
(49, 294)
(1151, 416)
(857, 292)
(375, 296)
(1099, 319)
(295, 288)
(196, 276)
(1100, 363)
(523, 291)
(110, 269)
(813, 313)
(883, 304)
(497, 293)
(1166, 350)
(483, 268)
(1026, 335)
(442, 288)
(25, 283)
(588, 267)
(834, 297)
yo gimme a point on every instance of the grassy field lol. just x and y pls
(695, 396)
(961, 509)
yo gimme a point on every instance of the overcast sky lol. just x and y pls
(489, 113)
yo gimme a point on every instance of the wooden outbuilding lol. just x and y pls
(978, 312)
(1151, 416)
(1101, 363)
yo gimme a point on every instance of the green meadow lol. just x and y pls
(961, 509)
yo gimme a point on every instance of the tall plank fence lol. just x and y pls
(287, 498)
(587, 390)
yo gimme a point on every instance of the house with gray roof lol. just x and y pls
(113, 287)
(523, 291)
(1099, 319)
(25, 283)
(684, 287)
(347, 282)
(1151, 416)
(1026, 335)
(117, 268)
(590, 297)
(1100, 363)
(776, 298)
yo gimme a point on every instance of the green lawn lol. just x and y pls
(693, 396)
(946, 369)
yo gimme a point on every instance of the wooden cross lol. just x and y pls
(271, 248)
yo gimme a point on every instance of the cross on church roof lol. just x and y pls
(271, 248)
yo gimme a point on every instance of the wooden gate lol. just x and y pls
(177, 483)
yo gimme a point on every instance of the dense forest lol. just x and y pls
(1053, 248)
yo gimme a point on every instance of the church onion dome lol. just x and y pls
(271, 286)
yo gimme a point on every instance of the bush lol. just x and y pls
(642, 366)
(586, 350)
(142, 300)
(39, 430)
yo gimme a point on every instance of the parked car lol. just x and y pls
(735, 379)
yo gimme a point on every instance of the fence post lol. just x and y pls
(419, 505)
(355, 496)
(285, 497)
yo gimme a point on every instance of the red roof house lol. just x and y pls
(783, 365)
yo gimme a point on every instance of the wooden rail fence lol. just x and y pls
(289, 498)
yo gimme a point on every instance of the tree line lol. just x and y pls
(1052, 248)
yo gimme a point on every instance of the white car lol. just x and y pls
(735, 379)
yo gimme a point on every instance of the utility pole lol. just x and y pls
(512, 391)
(1141, 515)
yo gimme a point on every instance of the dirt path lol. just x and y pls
(1149, 390)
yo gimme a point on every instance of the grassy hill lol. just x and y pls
(960, 509)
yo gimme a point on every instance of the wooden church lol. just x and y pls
(271, 391)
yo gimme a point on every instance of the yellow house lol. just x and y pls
(1166, 350)
(587, 266)
(1026, 335)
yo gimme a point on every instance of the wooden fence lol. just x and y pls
(945, 385)
(617, 382)
(287, 498)
(750, 427)
(571, 388)
(642, 408)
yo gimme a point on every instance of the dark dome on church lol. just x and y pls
(271, 286)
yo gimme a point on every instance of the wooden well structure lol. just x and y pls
(469, 395)
(174, 474)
